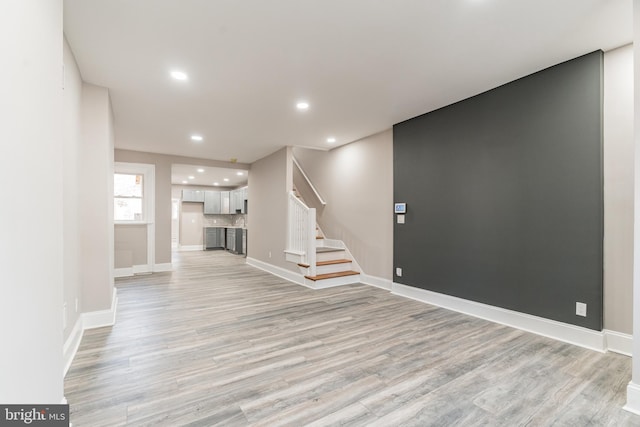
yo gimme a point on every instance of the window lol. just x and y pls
(133, 193)
(128, 196)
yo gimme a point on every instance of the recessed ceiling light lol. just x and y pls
(185, 182)
(179, 75)
(302, 105)
(196, 138)
(226, 180)
(215, 183)
(192, 177)
(239, 173)
(331, 140)
(201, 170)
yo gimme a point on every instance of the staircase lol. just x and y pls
(323, 262)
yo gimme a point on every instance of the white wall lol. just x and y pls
(96, 195)
(618, 189)
(31, 161)
(633, 389)
(72, 145)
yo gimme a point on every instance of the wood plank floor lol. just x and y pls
(217, 342)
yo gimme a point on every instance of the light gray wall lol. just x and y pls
(356, 181)
(163, 190)
(31, 162)
(191, 223)
(130, 245)
(96, 195)
(72, 95)
(618, 189)
(269, 186)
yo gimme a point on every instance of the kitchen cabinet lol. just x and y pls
(236, 240)
(225, 202)
(238, 198)
(245, 198)
(193, 196)
(231, 239)
(238, 202)
(212, 202)
(241, 241)
(214, 238)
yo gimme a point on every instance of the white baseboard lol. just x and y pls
(141, 269)
(633, 398)
(618, 342)
(277, 271)
(123, 272)
(565, 332)
(101, 318)
(89, 320)
(378, 282)
(159, 268)
(191, 248)
(70, 347)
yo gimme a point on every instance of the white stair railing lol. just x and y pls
(309, 183)
(301, 238)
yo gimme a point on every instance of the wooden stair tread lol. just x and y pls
(330, 262)
(333, 261)
(332, 275)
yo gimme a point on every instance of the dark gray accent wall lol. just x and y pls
(504, 195)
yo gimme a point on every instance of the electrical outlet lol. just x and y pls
(400, 219)
(269, 254)
(76, 305)
(398, 272)
(581, 309)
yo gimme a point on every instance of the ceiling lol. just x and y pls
(362, 65)
(203, 175)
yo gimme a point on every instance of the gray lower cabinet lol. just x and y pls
(212, 202)
(214, 238)
(241, 241)
(231, 239)
(236, 240)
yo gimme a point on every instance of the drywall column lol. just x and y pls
(270, 181)
(72, 145)
(618, 195)
(633, 389)
(31, 147)
(96, 195)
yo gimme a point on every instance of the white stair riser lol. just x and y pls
(336, 281)
(333, 268)
(329, 256)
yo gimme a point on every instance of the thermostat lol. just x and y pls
(400, 208)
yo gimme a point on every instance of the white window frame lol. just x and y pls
(148, 172)
(148, 186)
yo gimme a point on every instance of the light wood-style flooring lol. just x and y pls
(217, 342)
